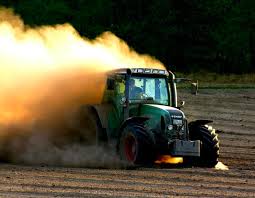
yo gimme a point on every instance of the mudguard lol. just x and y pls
(135, 119)
(199, 122)
(103, 113)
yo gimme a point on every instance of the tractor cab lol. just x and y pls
(131, 87)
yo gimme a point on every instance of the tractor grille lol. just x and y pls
(178, 131)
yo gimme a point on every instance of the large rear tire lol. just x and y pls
(209, 150)
(136, 145)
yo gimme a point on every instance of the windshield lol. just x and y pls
(148, 89)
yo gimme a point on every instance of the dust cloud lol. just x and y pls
(221, 166)
(46, 74)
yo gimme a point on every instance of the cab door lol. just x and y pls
(116, 116)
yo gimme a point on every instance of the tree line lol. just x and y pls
(186, 35)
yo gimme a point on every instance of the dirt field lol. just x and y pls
(233, 112)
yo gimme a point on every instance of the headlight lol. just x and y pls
(177, 122)
(170, 127)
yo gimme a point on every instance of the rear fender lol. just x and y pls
(135, 119)
(91, 110)
(103, 113)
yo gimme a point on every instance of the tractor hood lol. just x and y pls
(164, 110)
(169, 120)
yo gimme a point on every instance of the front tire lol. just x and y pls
(136, 145)
(209, 150)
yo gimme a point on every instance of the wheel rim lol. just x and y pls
(130, 148)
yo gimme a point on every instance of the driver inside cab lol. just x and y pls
(134, 91)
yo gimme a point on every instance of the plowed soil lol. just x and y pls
(233, 112)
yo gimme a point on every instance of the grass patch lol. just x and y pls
(219, 81)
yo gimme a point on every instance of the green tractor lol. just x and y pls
(139, 117)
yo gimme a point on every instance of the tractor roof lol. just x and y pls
(140, 71)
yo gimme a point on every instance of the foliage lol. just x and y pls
(186, 35)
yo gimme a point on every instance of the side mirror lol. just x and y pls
(110, 84)
(182, 103)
